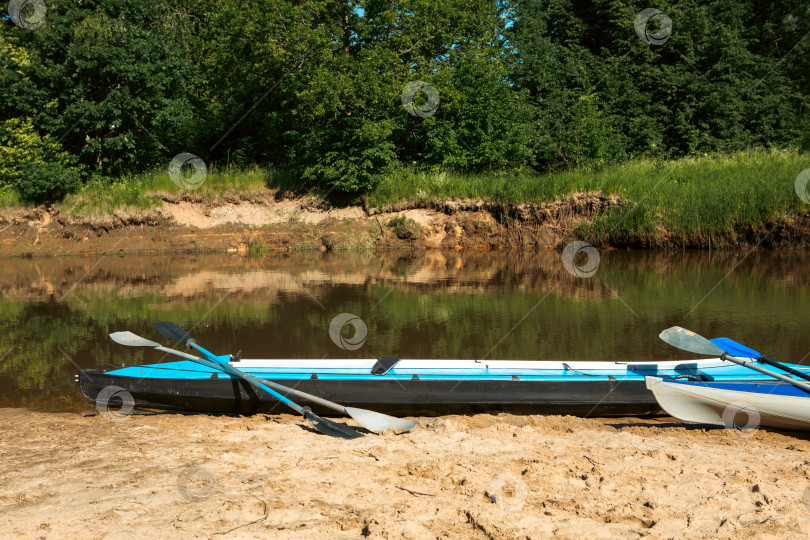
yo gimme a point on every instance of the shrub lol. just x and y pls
(48, 181)
(37, 167)
(405, 228)
(351, 160)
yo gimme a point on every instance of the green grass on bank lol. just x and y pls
(144, 191)
(9, 198)
(697, 196)
(632, 180)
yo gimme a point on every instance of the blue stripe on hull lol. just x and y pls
(193, 371)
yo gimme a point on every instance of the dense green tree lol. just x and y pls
(109, 75)
(316, 86)
(730, 75)
(337, 115)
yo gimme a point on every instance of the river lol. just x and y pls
(56, 313)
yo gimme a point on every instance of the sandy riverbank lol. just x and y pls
(265, 221)
(174, 476)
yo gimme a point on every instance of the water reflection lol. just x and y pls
(55, 314)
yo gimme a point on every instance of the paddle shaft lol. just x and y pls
(371, 420)
(227, 368)
(749, 364)
(690, 341)
(282, 388)
(783, 367)
(739, 350)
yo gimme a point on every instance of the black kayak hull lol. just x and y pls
(598, 397)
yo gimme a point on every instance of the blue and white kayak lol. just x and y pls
(426, 387)
(765, 403)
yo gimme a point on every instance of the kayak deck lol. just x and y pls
(713, 369)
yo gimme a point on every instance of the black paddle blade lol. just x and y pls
(171, 331)
(327, 427)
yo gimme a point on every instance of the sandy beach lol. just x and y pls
(69, 475)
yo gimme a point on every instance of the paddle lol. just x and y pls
(370, 420)
(741, 351)
(690, 341)
(735, 349)
(321, 424)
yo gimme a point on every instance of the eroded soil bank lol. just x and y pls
(269, 222)
(484, 476)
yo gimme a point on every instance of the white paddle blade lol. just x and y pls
(132, 340)
(687, 340)
(374, 421)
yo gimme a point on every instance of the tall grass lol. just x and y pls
(704, 196)
(144, 191)
(9, 198)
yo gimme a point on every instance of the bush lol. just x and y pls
(405, 228)
(35, 166)
(48, 181)
(350, 160)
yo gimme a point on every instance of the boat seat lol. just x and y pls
(384, 364)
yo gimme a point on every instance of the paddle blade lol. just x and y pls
(374, 421)
(735, 349)
(132, 340)
(327, 427)
(687, 340)
(171, 331)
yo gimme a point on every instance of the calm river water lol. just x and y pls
(55, 314)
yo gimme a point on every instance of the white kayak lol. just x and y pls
(764, 403)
